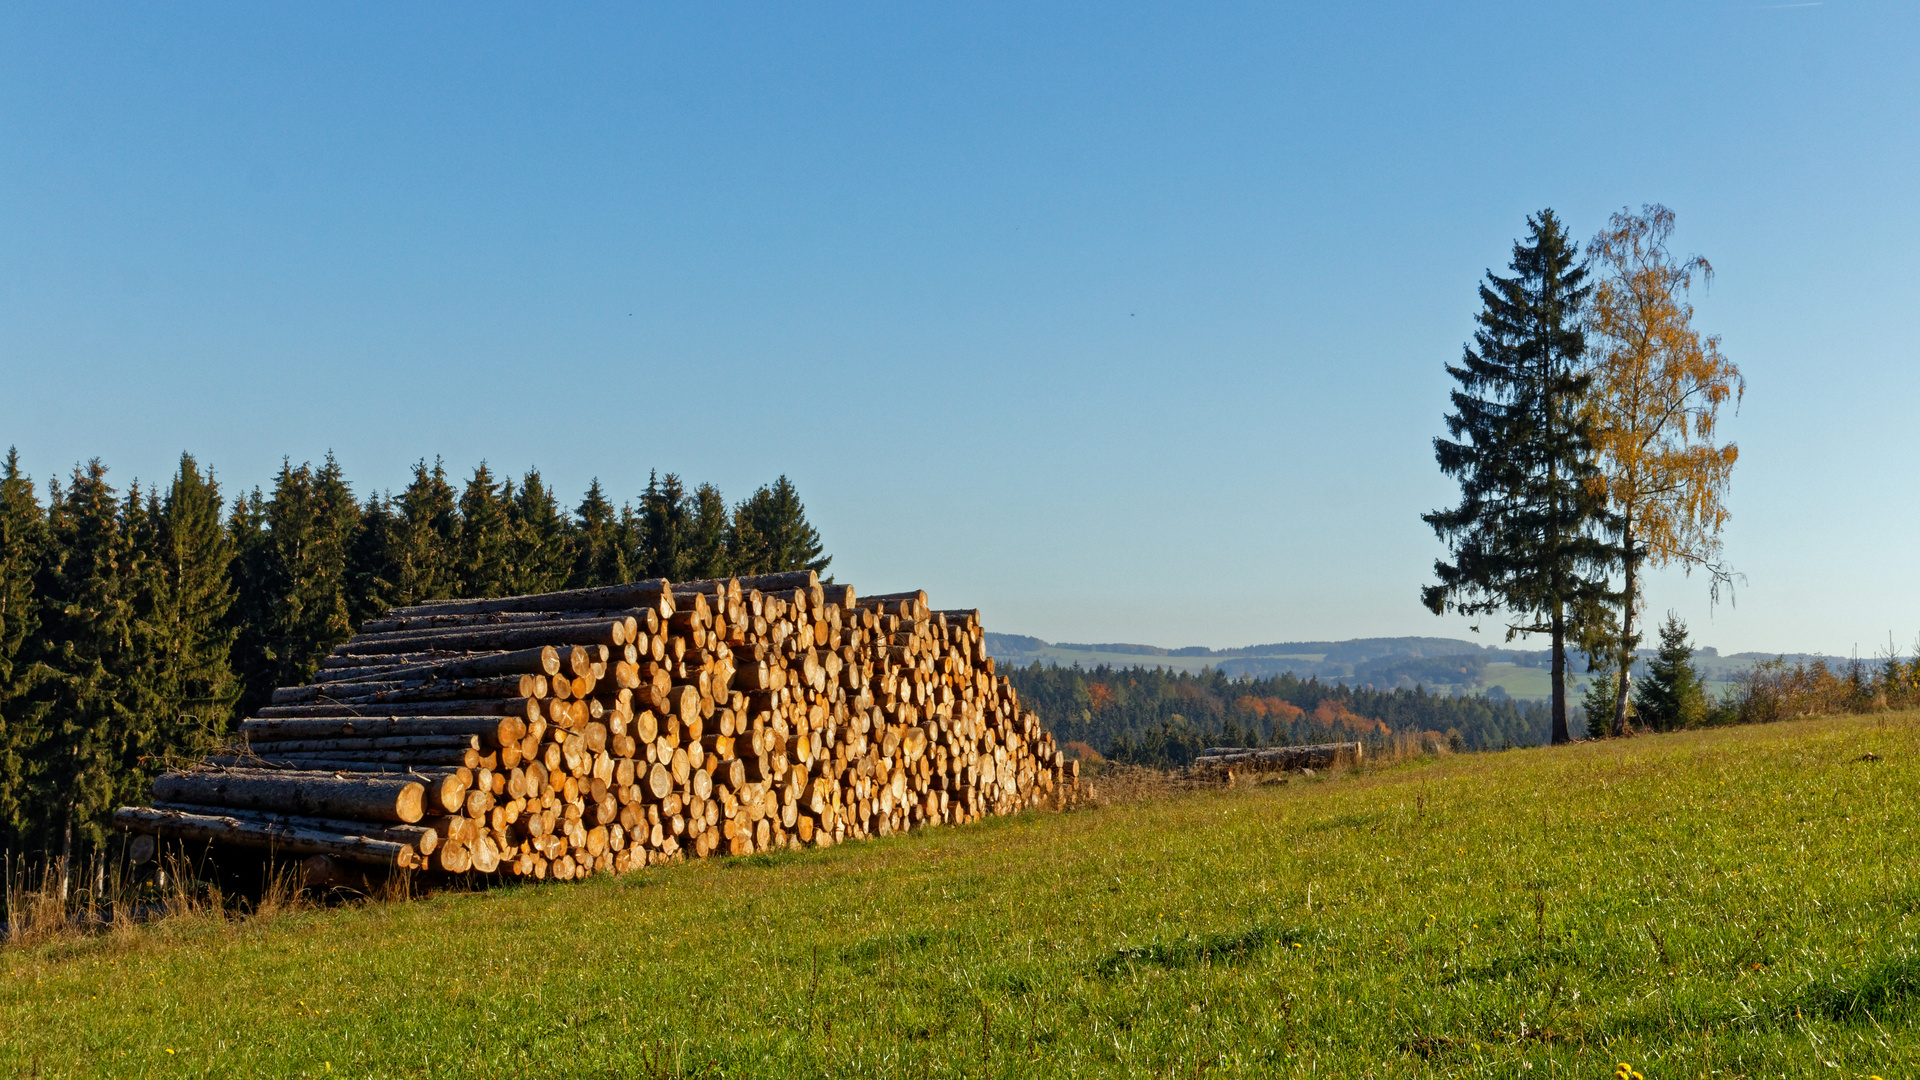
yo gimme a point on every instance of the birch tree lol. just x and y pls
(1654, 411)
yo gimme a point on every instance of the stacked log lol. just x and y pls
(1221, 759)
(603, 730)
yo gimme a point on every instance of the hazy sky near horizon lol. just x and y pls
(1121, 323)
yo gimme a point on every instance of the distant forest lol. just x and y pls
(137, 624)
(1152, 716)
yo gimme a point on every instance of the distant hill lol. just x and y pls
(1326, 659)
(1447, 665)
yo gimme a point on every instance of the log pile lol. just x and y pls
(604, 730)
(1224, 759)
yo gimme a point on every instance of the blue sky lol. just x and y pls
(1120, 323)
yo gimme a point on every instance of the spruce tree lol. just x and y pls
(706, 549)
(291, 550)
(87, 629)
(600, 545)
(771, 533)
(23, 714)
(371, 567)
(194, 678)
(427, 539)
(1598, 705)
(1526, 535)
(486, 537)
(142, 722)
(665, 528)
(1673, 695)
(540, 554)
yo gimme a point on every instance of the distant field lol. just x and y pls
(1537, 683)
(1733, 902)
(1527, 683)
(1053, 654)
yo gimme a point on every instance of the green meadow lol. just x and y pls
(1731, 902)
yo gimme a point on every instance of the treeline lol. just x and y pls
(136, 626)
(1673, 695)
(1153, 716)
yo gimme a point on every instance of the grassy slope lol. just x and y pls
(1736, 900)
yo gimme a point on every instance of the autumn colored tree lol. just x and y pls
(1526, 537)
(1654, 409)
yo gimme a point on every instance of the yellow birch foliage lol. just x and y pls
(1657, 394)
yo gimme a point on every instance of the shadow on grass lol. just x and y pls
(1225, 949)
(1881, 990)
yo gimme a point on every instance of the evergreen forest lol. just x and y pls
(1154, 716)
(137, 625)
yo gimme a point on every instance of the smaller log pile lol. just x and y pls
(603, 730)
(1223, 760)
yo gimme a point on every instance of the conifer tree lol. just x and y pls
(665, 528)
(483, 565)
(371, 569)
(1673, 695)
(194, 679)
(427, 539)
(600, 544)
(771, 533)
(292, 582)
(1524, 537)
(87, 630)
(23, 714)
(541, 555)
(141, 719)
(1598, 705)
(706, 548)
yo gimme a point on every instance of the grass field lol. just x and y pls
(1536, 683)
(1735, 902)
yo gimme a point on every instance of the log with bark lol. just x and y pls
(1279, 758)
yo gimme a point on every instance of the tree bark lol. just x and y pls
(391, 690)
(419, 837)
(656, 594)
(211, 825)
(492, 730)
(1628, 596)
(526, 708)
(319, 796)
(584, 632)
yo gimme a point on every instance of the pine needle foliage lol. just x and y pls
(1526, 535)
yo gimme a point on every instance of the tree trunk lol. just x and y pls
(492, 730)
(319, 796)
(1625, 676)
(1560, 731)
(417, 836)
(214, 826)
(656, 594)
(525, 708)
(588, 632)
